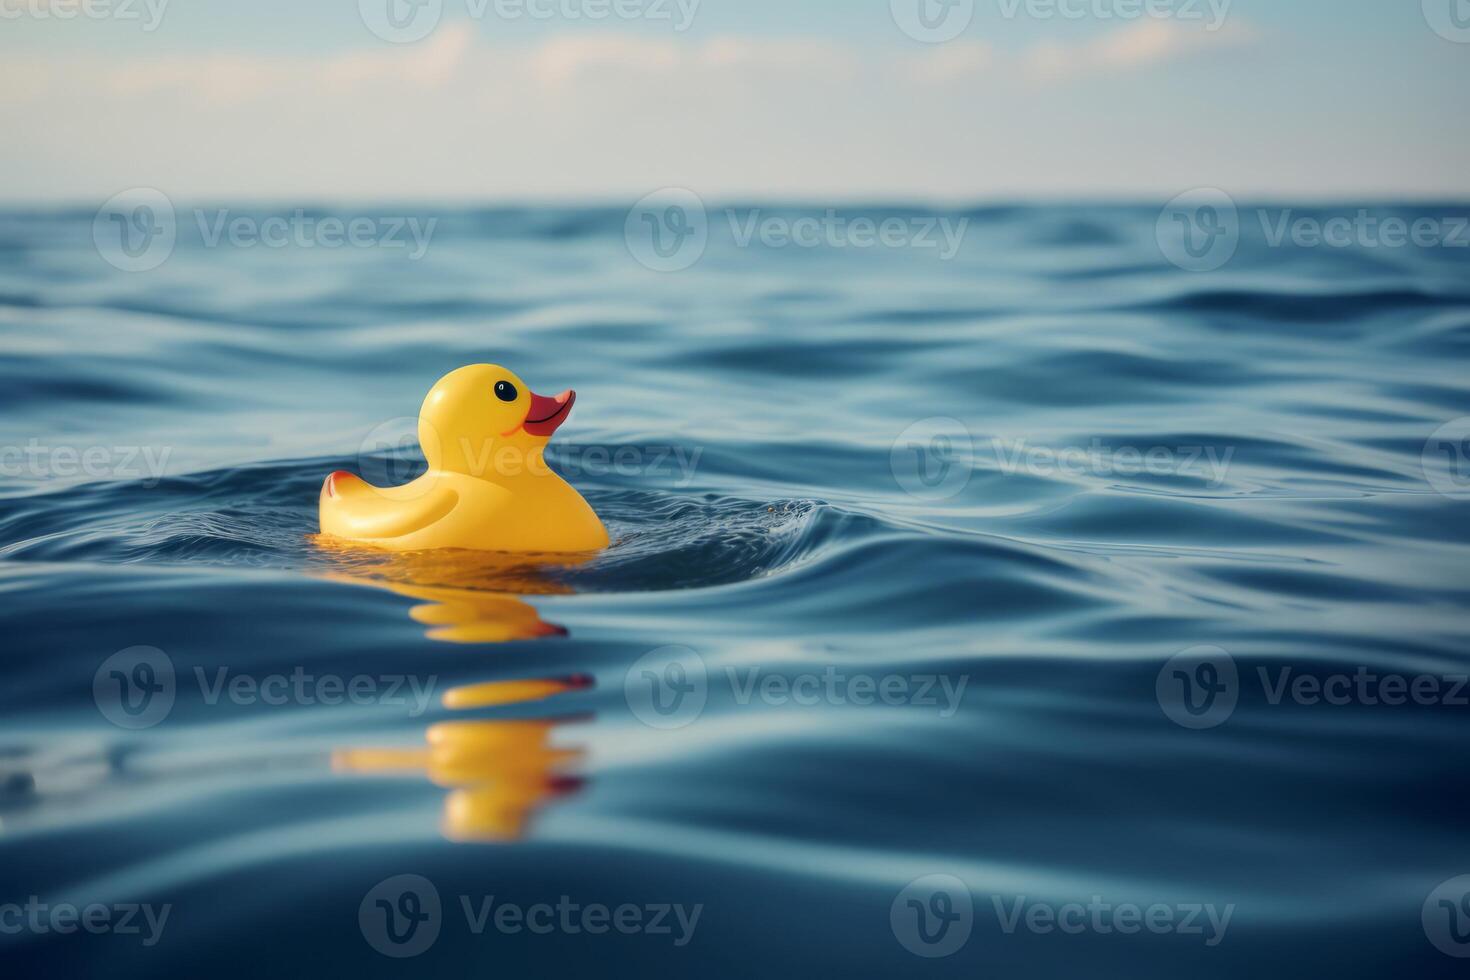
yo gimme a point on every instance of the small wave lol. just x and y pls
(1261, 306)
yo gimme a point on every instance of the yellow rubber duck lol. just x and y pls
(488, 487)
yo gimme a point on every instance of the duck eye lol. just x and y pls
(505, 391)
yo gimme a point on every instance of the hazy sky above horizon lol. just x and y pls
(812, 99)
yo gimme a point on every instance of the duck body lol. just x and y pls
(488, 486)
(452, 510)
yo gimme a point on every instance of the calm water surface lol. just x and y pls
(904, 548)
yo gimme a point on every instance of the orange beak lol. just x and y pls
(547, 414)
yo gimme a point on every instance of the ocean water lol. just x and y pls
(1041, 609)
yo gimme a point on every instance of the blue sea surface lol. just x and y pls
(1042, 606)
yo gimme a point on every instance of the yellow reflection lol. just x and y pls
(498, 772)
(465, 616)
(482, 571)
(467, 596)
(510, 692)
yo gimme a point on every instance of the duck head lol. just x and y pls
(483, 420)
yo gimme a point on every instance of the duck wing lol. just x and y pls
(354, 508)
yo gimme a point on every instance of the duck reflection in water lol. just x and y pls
(468, 597)
(498, 772)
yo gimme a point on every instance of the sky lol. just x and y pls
(815, 100)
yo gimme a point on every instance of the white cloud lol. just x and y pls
(1141, 45)
(562, 59)
(803, 57)
(616, 116)
(1136, 47)
(454, 47)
